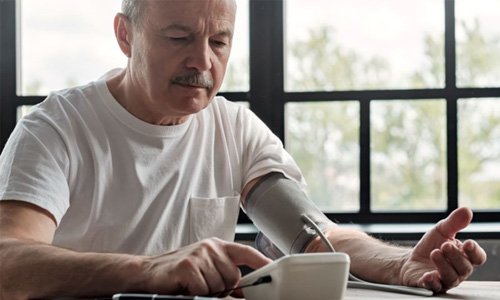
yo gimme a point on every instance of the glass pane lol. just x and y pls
(323, 137)
(364, 44)
(479, 153)
(72, 43)
(478, 43)
(408, 155)
(22, 111)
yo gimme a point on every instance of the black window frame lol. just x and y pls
(267, 98)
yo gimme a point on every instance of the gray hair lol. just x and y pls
(133, 10)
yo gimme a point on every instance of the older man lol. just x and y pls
(133, 182)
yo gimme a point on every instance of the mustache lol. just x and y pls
(197, 79)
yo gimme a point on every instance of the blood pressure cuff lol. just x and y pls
(276, 205)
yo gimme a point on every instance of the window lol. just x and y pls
(389, 108)
(73, 43)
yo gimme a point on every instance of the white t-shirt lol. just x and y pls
(115, 183)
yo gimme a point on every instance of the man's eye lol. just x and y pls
(178, 38)
(219, 43)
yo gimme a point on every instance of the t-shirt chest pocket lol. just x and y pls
(213, 217)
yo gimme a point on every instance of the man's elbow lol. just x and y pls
(10, 263)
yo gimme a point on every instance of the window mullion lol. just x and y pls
(364, 159)
(451, 105)
(266, 63)
(8, 95)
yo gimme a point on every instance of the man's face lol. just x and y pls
(180, 51)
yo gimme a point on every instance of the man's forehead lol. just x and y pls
(189, 14)
(218, 7)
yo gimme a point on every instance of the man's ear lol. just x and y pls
(123, 33)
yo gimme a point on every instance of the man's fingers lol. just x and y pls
(474, 252)
(458, 260)
(246, 255)
(196, 283)
(221, 271)
(453, 262)
(456, 221)
(206, 267)
(217, 267)
(447, 273)
(215, 279)
(431, 281)
(230, 273)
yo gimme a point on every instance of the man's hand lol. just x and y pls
(203, 268)
(439, 261)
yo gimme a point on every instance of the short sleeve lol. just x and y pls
(263, 151)
(34, 167)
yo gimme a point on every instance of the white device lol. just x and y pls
(311, 276)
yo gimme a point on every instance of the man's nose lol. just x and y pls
(200, 57)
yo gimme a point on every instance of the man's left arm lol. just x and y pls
(438, 262)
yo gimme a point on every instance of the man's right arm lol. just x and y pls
(30, 267)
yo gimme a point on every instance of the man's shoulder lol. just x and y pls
(89, 90)
(67, 99)
(64, 110)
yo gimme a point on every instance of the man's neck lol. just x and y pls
(125, 92)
